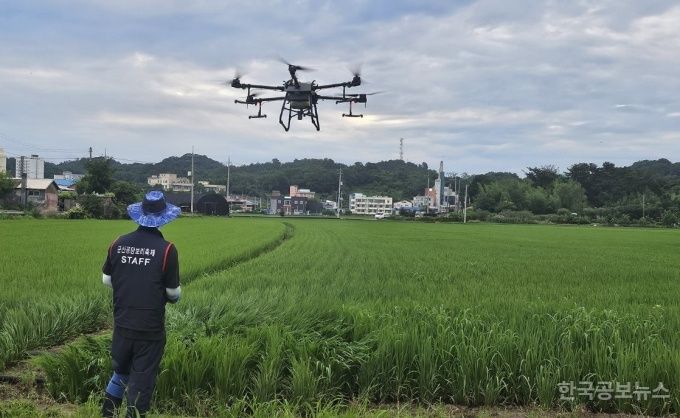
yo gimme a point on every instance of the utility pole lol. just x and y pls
(228, 173)
(24, 183)
(465, 205)
(192, 179)
(401, 149)
(339, 188)
(458, 193)
(455, 191)
(643, 204)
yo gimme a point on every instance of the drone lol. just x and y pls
(300, 98)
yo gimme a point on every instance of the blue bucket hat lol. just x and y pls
(153, 211)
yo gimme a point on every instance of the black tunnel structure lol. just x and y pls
(212, 204)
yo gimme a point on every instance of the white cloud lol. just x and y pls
(492, 85)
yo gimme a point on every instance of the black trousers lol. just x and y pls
(138, 354)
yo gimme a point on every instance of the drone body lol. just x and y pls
(299, 99)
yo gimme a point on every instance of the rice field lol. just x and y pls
(50, 271)
(364, 312)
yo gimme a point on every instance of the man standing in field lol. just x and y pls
(143, 270)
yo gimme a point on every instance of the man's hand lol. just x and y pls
(172, 295)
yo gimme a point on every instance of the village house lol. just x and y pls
(43, 193)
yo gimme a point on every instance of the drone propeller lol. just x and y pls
(294, 67)
(356, 72)
(251, 95)
(236, 81)
(364, 94)
(355, 69)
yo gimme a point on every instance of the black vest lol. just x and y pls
(138, 262)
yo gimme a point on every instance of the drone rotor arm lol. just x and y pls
(340, 98)
(268, 99)
(261, 87)
(332, 86)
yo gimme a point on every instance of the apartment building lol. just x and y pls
(360, 204)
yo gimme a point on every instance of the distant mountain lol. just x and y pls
(395, 178)
(604, 185)
(205, 168)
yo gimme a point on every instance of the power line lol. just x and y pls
(22, 144)
(19, 155)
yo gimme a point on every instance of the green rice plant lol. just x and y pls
(304, 381)
(79, 371)
(266, 383)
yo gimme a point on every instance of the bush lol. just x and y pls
(455, 217)
(76, 212)
(563, 212)
(34, 211)
(67, 195)
(669, 218)
(514, 217)
(100, 207)
(479, 214)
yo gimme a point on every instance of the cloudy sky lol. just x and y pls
(482, 85)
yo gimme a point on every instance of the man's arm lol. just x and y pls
(106, 279)
(107, 269)
(173, 291)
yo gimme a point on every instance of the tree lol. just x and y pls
(6, 185)
(539, 202)
(507, 194)
(98, 178)
(314, 206)
(570, 195)
(543, 176)
(126, 192)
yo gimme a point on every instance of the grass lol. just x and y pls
(385, 313)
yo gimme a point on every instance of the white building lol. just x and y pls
(402, 204)
(330, 205)
(169, 181)
(297, 192)
(3, 161)
(34, 167)
(361, 204)
(444, 197)
(67, 175)
(217, 188)
(422, 202)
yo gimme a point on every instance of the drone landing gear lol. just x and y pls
(259, 113)
(350, 114)
(310, 111)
